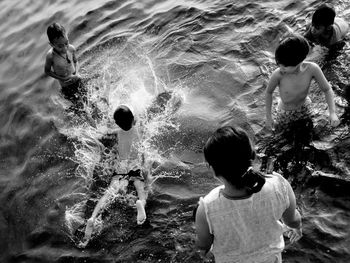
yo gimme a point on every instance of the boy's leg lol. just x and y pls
(141, 202)
(116, 185)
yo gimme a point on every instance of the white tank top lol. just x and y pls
(248, 230)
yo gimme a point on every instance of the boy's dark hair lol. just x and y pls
(230, 153)
(323, 16)
(292, 50)
(123, 117)
(54, 31)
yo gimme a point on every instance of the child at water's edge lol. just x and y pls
(325, 29)
(61, 64)
(127, 138)
(293, 77)
(240, 220)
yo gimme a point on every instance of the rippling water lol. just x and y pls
(216, 56)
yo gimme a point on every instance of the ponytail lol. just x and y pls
(252, 180)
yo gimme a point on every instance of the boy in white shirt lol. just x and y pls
(128, 169)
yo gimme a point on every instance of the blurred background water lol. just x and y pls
(216, 56)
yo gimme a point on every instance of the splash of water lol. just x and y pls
(120, 82)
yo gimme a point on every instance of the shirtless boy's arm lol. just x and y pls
(268, 97)
(75, 61)
(327, 89)
(48, 68)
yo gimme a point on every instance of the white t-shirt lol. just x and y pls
(128, 147)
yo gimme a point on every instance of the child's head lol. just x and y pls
(57, 37)
(229, 152)
(291, 51)
(322, 19)
(124, 118)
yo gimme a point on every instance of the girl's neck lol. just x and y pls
(233, 192)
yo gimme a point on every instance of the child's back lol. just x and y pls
(240, 220)
(248, 229)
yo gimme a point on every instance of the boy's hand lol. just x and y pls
(334, 119)
(72, 79)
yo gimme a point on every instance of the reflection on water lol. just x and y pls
(215, 58)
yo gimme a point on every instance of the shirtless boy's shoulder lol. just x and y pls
(49, 54)
(308, 65)
(71, 48)
(312, 68)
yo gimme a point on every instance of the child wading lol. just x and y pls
(61, 64)
(325, 28)
(240, 221)
(293, 78)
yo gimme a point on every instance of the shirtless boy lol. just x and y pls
(293, 77)
(61, 64)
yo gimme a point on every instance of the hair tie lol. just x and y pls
(249, 168)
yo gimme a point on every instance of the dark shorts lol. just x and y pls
(75, 93)
(135, 175)
(289, 120)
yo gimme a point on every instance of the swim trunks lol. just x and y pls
(294, 120)
(75, 93)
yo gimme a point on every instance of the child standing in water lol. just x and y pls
(61, 64)
(325, 28)
(240, 219)
(128, 164)
(293, 77)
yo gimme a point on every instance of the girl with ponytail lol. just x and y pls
(240, 221)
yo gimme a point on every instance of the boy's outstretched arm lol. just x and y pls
(268, 98)
(328, 92)
(48, 68)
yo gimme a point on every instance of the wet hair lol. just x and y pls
(292, 50)
(323, 16)
(229, 152)
(123, 117)
(55, 31)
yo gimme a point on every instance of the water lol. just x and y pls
(214, 55)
